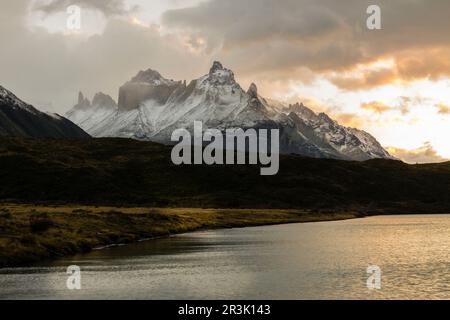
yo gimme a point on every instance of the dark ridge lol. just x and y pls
(19, 119)
(125, 172)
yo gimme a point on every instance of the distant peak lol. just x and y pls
(83, 102)
(80, 97)
(253, 91)
(100, 95)
(103, 100)
(297, 105)
(300, 107)
(218, 75)
(325, 117)
(216, 66)
(148, 75)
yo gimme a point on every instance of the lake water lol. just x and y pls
(326, 260)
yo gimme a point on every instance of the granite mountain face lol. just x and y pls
(151, 107)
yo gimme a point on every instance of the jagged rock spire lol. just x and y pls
(148, 75)
(220, 75)
(103, 100)
(83, 102)
(80, 97)
(253, 91)
(216, 66)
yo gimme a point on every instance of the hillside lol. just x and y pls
(124, 172)
(19, 119)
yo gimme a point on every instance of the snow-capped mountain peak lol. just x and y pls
(216, 67)
(218, 75)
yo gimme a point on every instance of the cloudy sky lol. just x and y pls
(393, 82)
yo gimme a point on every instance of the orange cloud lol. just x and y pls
(443, 109)
(366, 80)
(423, 154)
(432, 63)
(377, 107)
(404, 105)
(349, 120)
(404, 66)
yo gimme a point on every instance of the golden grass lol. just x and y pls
(30, 233)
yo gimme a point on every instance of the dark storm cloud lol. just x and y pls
(323, 35)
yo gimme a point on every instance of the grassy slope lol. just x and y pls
(121, 172)
(30, 233)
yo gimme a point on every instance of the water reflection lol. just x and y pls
(302, 261)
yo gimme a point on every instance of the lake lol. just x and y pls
(325, 260)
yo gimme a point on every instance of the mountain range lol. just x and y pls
(150, 107)
(19, 119)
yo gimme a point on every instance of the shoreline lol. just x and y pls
(30, 234)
